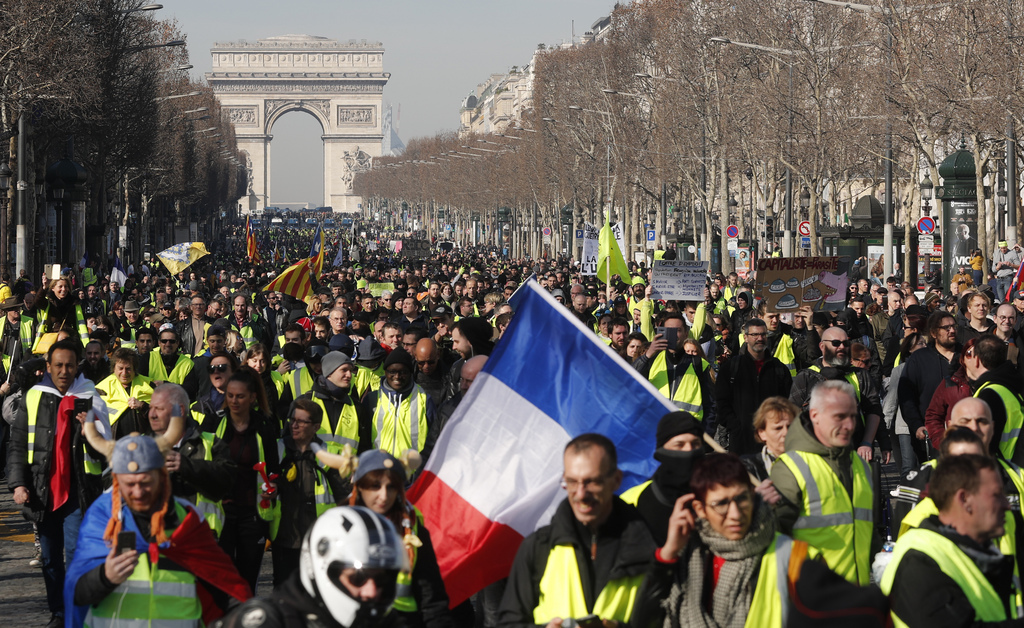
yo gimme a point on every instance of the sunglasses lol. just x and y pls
(218, 368)
(838, 343)
(168, 341)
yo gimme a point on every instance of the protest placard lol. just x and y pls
(682, 280)
(588, 266)
(376, 289)
(789, 283)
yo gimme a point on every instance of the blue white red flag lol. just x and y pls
(494, 475)
(1018, 279)
(118, 274)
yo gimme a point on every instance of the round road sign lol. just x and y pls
(926, 225)
(804, 228)
(546, 231)
(732, 231)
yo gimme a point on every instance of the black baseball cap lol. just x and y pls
(441, 311)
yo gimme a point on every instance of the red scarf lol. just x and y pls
(60, 468)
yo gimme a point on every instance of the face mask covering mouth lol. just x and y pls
(673, 476)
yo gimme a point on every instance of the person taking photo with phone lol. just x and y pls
(683, 378)
(146, 557)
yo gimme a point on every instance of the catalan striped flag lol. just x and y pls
(251, 249)
(294, 280)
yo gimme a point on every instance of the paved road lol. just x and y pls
(22, 595)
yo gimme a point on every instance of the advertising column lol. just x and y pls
(959, 197)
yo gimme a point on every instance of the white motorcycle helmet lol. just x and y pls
(351, 537)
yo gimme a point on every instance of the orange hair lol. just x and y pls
(156, 520)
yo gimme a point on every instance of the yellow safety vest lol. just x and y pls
(396, 429)
(322, 497)
(770, 605)
(828, 519)
(632, 496)
(300, 381)
(153, 595)
(687, 394)
(267, 514)
(25, 325)
(955, 564)
(1014, 418)
(43, 327)
(130, 343)
(346, 432)
(208, 509)
(784, 353)
(405, 602)
(116, 397)
(279, 382)
(32, 398)
(367, 380)
(561, 591)
(157, 371)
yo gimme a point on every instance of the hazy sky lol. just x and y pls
(437, 51)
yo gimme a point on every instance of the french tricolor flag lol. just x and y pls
(494, 475)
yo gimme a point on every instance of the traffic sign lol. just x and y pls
(804, 229)
(926, 225)
(805, 242)
(732, 231)
(579, 234)
(650, 235)
(926, 245)
(546, 231)
(733, 244)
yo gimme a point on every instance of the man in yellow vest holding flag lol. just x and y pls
(594, 537)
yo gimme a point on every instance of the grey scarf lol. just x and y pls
(734, 591)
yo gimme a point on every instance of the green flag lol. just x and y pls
(608, 254)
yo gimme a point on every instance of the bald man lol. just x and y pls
(431, 373)
(834, 364)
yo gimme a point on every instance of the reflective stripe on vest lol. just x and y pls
(301, 382)
(279, 382)
(632, 496)
(130, 343)
(116, 397)
(151, 597)
(561, 591)
(365, 380)
(211, 511)
(1014, 418)
(396, 429)
(32, 398)
(346, 431)
(158, 372)
(323, 499)
(828, 519)
(955, 564)
(769, 606)
(247, 336)
(784, 353)
(687, 394)
(267, 514)
(405, 602)
(851, 379)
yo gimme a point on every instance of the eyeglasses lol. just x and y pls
(838, 343)
(360, 577)
(168, 341)
(299, 422)
(721, 507)
(218, 368)
(590, 485)
(949, 327)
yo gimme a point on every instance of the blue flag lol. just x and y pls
(317, 243)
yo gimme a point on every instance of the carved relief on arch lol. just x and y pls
(321, 106)
(242, 116)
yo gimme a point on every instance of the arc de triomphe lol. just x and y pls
(339, 84)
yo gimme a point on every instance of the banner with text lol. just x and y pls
(619, 237)
(681, 280)
(588, 266)
(789, 283)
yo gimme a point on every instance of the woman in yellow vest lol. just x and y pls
(257, 357)
(252, 440)
(56, 310)
(724, 563)
(379, 484)
(127, 395)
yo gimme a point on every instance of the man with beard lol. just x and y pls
(834, 364)
(403, 413)
(926, 369)
(678, 447)
(744, 381)
(432, 370)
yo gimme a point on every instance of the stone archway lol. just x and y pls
(339, 84)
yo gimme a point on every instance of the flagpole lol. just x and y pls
(608, 279)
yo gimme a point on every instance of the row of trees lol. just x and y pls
(717, 102)
(105, 83)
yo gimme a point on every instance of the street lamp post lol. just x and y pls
(5, 185)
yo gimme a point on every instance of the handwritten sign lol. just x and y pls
(618, 233)
(679, 280)
(376, 289)
(590, 250)
(789, 283)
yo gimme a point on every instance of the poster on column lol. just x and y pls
(681, 280)
(788, 283)
(617, 232)
(590, 250)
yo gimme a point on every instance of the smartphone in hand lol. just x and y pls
(125, 542)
